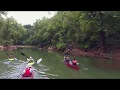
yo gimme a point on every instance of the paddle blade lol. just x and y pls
(38, 61)
(42, 72)
(23, 54)
(16, 58)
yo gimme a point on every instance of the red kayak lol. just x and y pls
(72, 66)
(31, 77)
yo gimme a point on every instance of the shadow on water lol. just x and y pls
(52, 66)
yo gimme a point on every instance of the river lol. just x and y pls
(52, 66)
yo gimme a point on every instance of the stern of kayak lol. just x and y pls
(72, 66)
(31, 77)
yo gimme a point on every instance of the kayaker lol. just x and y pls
(27, 72)
(67, 59)
(74, 61)
(50, 49)
(30, 59)
(11, 56)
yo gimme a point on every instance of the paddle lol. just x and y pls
(45, 73)
(71, 61)
(19, 75)
(24, 55)
(38, 61)
(48, 74)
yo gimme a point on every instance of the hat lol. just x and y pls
(30, 57)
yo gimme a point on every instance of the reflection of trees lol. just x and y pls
(105, 64)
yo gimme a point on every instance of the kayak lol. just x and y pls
(72, 66)
(31, 77)
(11, 59)
(31, 63)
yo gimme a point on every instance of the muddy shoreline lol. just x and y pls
(15, 47)
(115, 54)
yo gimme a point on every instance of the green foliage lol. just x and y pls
(80, 27)
(8, 43)
(86, 29)
(60, 45)
(11, 31)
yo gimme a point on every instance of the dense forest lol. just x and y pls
(81, 29)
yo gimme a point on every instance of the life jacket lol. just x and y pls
(31, 61)
(27, 72)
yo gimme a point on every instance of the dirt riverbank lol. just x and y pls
(115, 54)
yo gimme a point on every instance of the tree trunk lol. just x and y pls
(102, 33)
(102, 40)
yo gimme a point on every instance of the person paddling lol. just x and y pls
(27, 72)
(30, 59)
(11, 56)
(74, 61)
(67, 59)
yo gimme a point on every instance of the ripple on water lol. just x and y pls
(13, 70)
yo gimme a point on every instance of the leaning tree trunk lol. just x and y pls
(102, 40)
(102, 34)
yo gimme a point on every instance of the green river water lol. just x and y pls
(53, 67)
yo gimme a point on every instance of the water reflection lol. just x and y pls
(105, 64)
(53, 67)
(16, 67)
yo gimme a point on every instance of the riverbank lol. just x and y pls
(114, 54)
(15, 47)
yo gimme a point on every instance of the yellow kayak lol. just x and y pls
(11, 59)
(31, 63)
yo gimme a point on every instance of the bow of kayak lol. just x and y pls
(31, 63)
